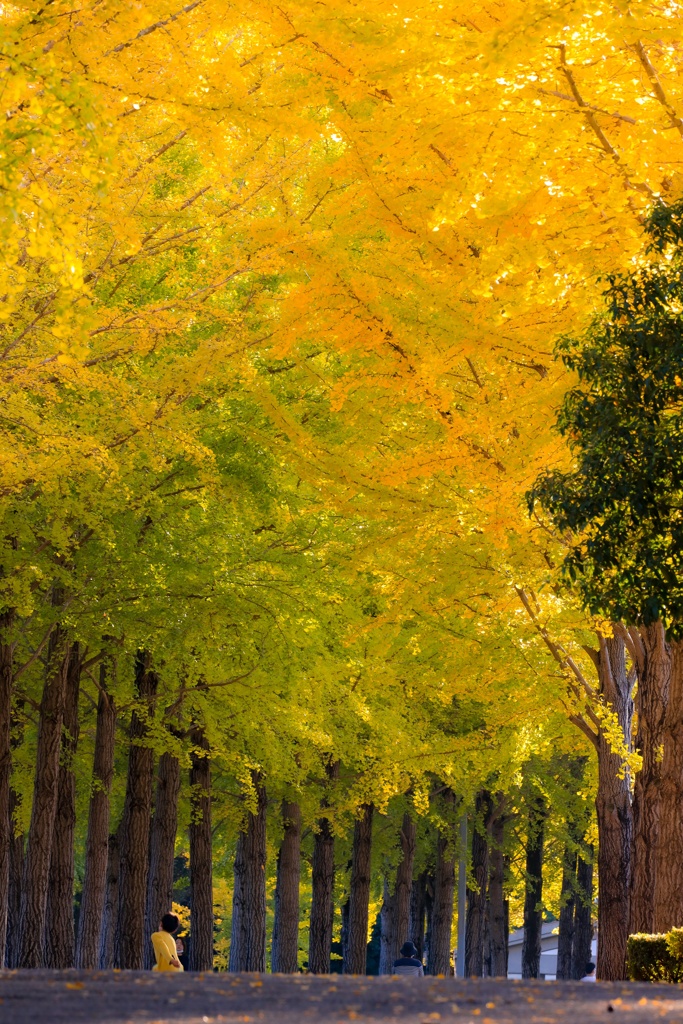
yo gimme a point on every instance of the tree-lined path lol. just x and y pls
(341, 448)
(130, 998)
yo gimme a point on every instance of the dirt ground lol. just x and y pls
(127, 997)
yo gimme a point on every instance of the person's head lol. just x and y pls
(170, 923)
(590, 968)
(179, 944)
(408, 949)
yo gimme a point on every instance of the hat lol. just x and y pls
(408, 949)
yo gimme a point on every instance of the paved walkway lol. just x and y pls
(127, 997)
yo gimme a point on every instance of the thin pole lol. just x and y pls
(462, 900)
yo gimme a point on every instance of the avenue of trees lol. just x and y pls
(340, 481)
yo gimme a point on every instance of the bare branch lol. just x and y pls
(657, 89)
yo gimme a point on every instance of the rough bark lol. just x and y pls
(248, 937)
(416, 927)
(583, 920)
(162, 848)
(97, 841)
(439, 953)
(60, 939)
(395, 914)
(111, 902)
(668, 908)
(355, 955)
(653, 659)
(614, 816)
(37, 859)
(201, 859)
(497, 903)
(134, 846)
(285, 944)
(533, 898)
(476, 896)
(322, 906)
(6, 825)
(565, 939)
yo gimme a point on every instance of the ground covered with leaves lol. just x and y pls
(125, 997)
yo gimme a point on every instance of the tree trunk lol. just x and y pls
(395, 914)
(583, 919)
(668, 909)
(285, 945)
(498, 930)
(533, 900)
(565, 939)
(248, 937)
(416, 927)
(430, 887)
(439, 953)
(476, 897)
(201, 857)
(162, 848)
(654, 670)
(97, 841)
(359, 898)
(59, 931)
(111, 902)
(16, 871)
(134, 848)
(6, 825)
(614, 815)
(322, 897)
(37, 860)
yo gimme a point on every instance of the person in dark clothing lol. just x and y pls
(408, 962)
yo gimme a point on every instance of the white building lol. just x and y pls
(549, 934)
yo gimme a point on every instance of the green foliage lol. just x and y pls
(656, 957)
(619, 507)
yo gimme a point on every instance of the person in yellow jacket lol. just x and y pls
(164, 945)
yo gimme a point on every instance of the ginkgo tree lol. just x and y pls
(279, 287)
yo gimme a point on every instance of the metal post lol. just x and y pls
(462, 900)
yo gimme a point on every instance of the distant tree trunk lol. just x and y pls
(16, 871)
(565, 939)
(322, 906)
(6, 824)
(111, 902)
(359, 897)
(654, 670)
(614, 814)
(583, 919)
(59, 931)
(97, 841)
(476, 897)
(248, 937)
(344, 930)
(668, 909)
(533, 901)
(201, 857)
(395, 914)
(416, 927)
(134, 849)
(439, 955)
(285, 944)
(37, 859)
(498, 930)
(162, 848)
(430, 887)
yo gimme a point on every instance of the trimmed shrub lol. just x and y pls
(655, 957)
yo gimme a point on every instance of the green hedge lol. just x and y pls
(655, 957)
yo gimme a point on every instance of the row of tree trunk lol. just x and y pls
(128, 877)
